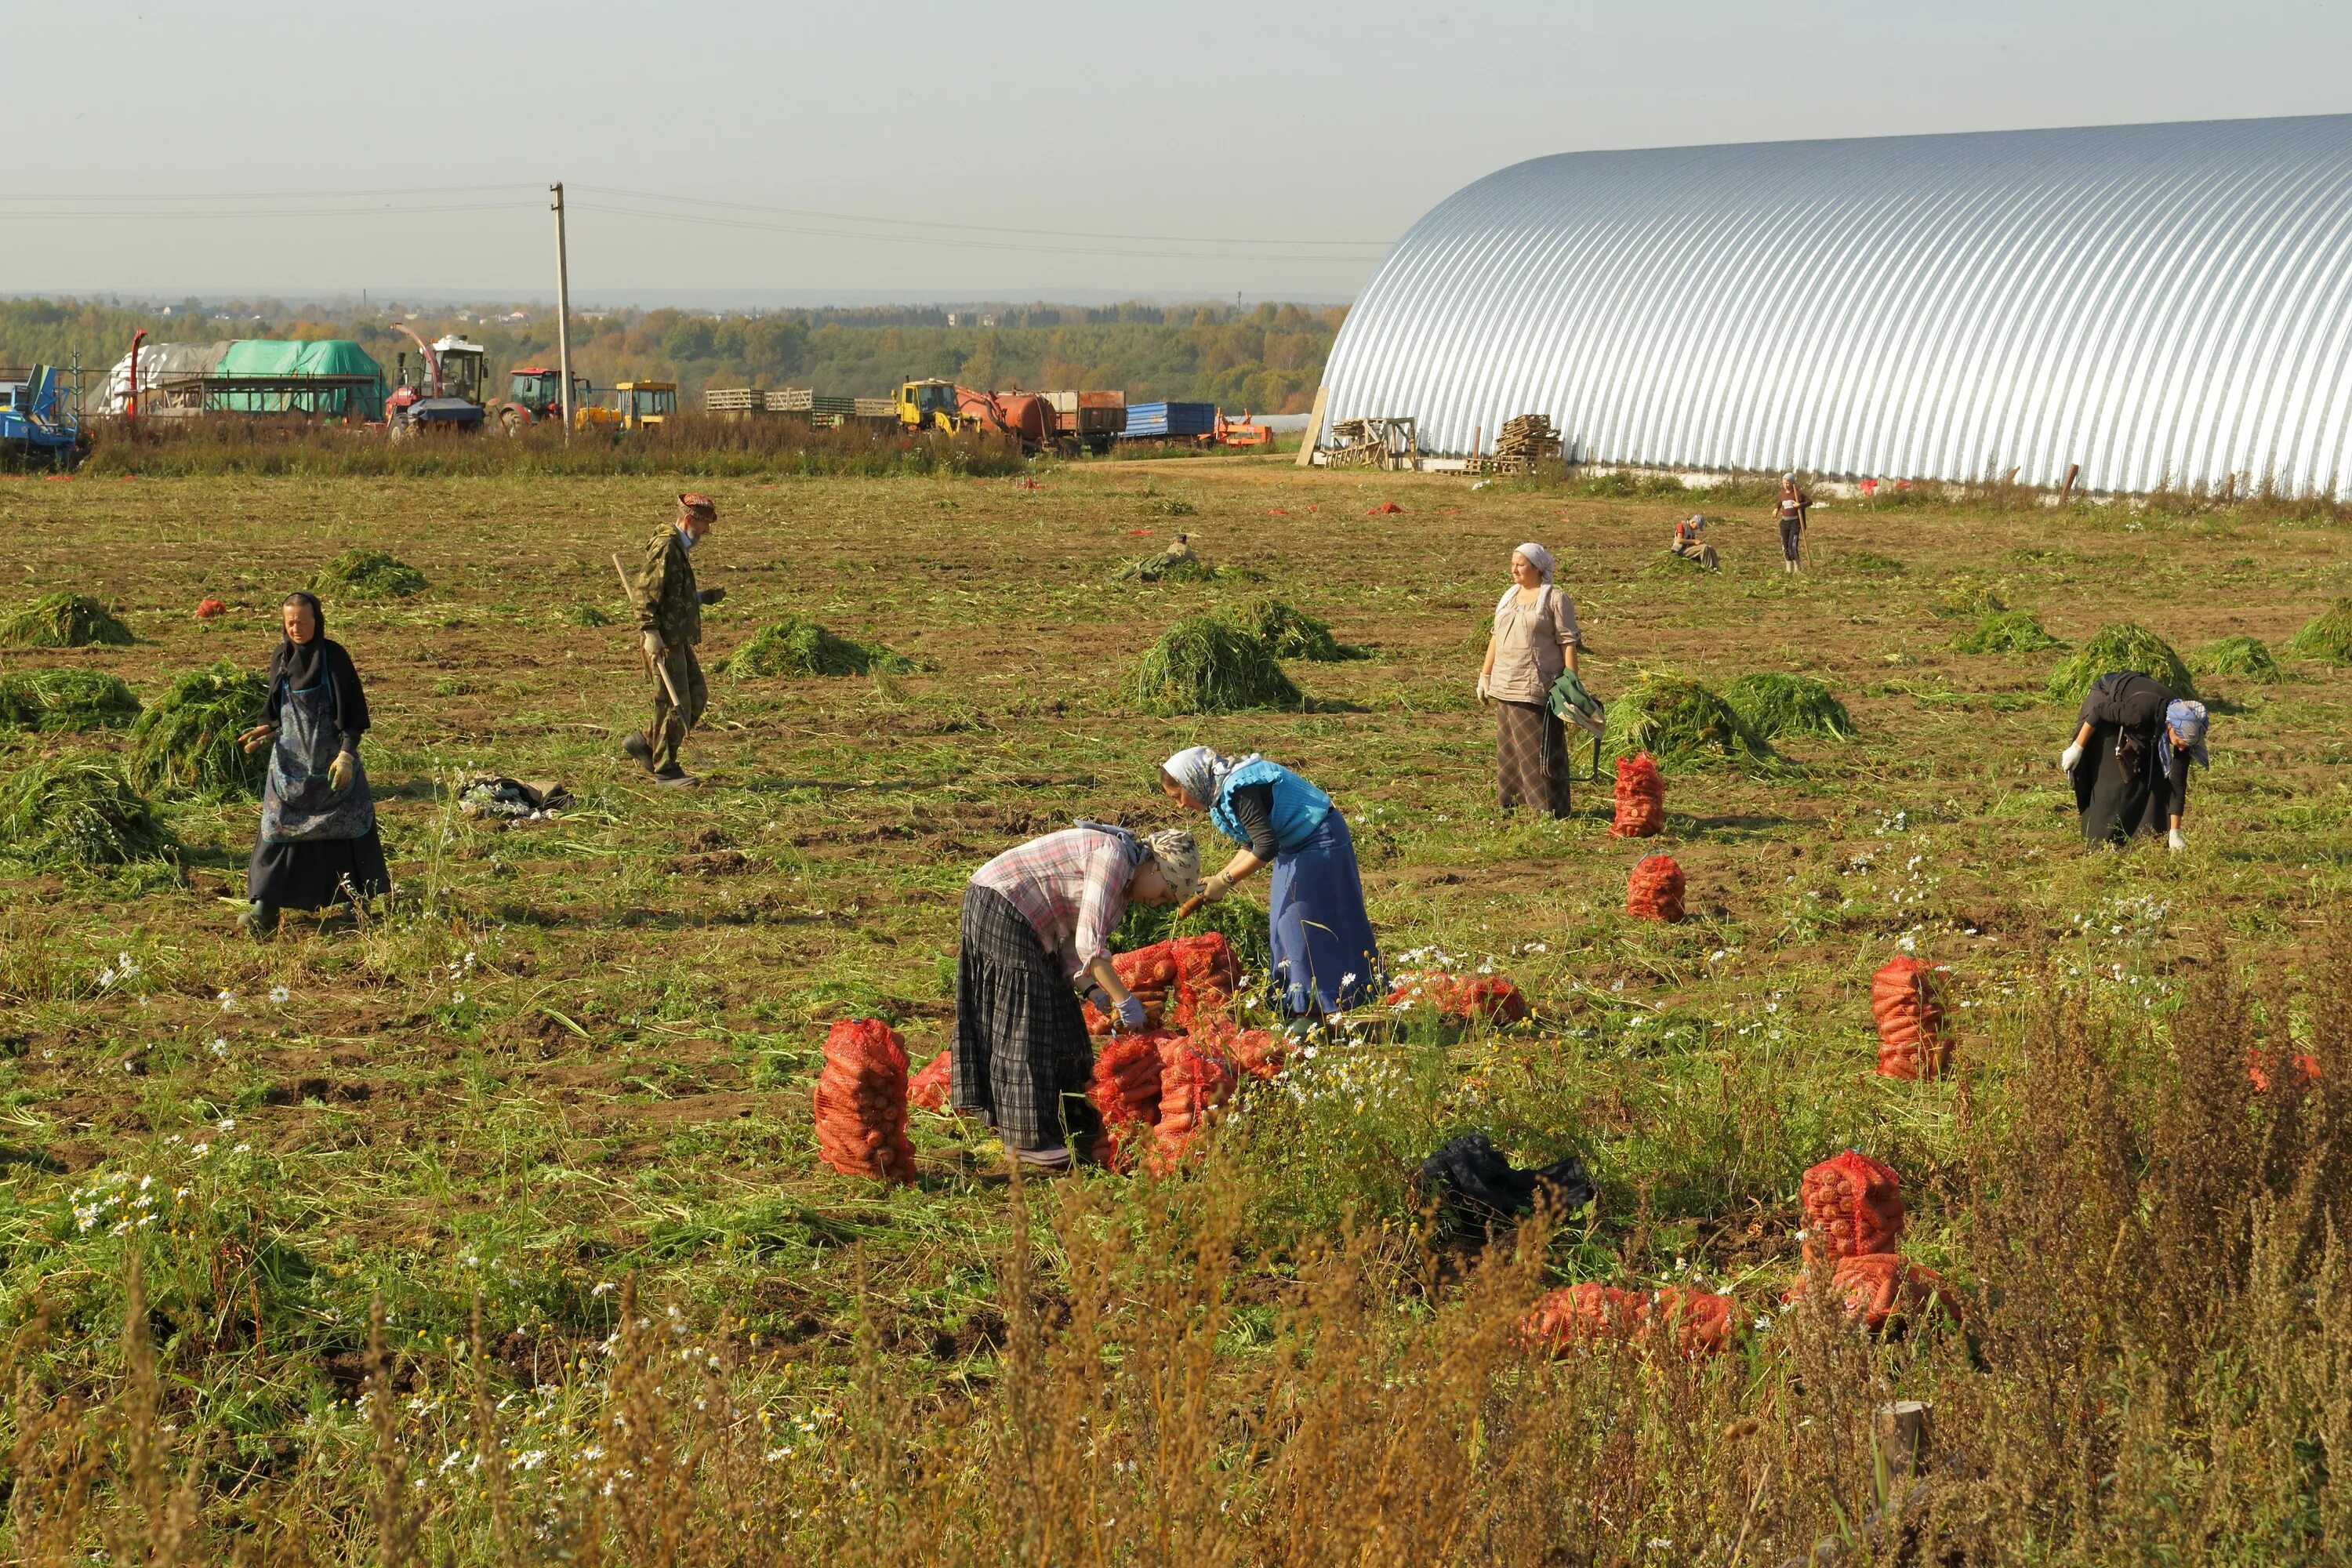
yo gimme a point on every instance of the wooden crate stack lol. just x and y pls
(731, 400)
(1526, 441)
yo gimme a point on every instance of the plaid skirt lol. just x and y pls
(1531, 758)
(1021, 1056)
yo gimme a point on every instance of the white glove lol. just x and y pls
(1483, 697)
(2176, 842)
(2070, 756)
(654, 646)
(339, 770)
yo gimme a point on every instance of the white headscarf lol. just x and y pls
(1178, 856)
(1538, 557)
(1203, 772)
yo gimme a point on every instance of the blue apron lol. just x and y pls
(297, 805)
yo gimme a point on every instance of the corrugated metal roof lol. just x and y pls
(2160, 303)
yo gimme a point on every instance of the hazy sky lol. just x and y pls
(936, 150)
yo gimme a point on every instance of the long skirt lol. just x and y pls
(313, 873)
(1325, 956)
(1021, 1058)
(1531, 758)
(2115, 805)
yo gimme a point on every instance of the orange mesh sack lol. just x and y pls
(1699, 1321)
(1906, 998)
(1260, 1053)
(1468, 996)
(928, 1088)
(1208, 977)
(1150, 974)
(1653, 890)
(1640, 799)
(2303, 1075)
(1126, 1092)
(1193, 1085)
(1854, 1206)
(861, 1103)
(1883, 1287)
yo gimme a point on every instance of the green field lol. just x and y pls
(550, 1109)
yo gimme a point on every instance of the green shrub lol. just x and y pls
(2238, 658)
(68, 811)
(64, 620)
(2005, 631)
(1205, 665)
(1773, 705)
(2327, 637)
(188, 739)
(367, 575)
(60, 699)
(1675, 719)
(1291, 632)
(2122, 645)
(795, 646)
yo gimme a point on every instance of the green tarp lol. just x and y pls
(278, 357)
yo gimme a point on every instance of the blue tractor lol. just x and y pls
(40, 419)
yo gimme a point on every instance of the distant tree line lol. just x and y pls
(1269, 358)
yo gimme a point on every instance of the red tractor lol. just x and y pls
(535, 394)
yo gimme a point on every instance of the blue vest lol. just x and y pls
(1299, 807)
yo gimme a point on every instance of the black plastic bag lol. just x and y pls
(1477, 1190)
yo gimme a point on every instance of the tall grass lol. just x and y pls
(2154, 1307)
(696, 445)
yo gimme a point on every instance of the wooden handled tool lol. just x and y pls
(660, 666)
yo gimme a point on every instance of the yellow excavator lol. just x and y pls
(932, 405)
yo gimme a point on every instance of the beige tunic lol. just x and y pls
(1530, 644)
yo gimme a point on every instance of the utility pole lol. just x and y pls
(564, 316)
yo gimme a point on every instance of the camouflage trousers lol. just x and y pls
(668, 731)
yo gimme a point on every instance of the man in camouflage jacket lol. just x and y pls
(669, 625)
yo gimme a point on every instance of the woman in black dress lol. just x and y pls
(2129, 762)
(318, 844)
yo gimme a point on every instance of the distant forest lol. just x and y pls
(1269, 358)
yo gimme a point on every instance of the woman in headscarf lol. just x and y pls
(1037, 921)
(2130, 756)
(318, 844)
(1534, 639)
(1325, 956)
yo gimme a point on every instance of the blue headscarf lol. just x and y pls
(2189, 720)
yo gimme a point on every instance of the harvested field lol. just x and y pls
(567, 1075)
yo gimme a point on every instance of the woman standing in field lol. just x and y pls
(1534, 639)
(318, 844)
(2129, 759)
(1036, 922)
(1791, 509)
(1325, 956)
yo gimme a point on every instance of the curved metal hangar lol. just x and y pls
(2161, 304)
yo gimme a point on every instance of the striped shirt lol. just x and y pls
(1071, 887)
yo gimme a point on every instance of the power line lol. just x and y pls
(937, 242)
(261, 195)
(979, 228)
(216, 213)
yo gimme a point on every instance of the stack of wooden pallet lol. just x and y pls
(1526, 441)
(731, 400)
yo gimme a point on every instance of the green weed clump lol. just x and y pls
(64, 620)
(1179, 563)
(59, 700)
(2238, 658)
(2327, 637)
(1291, 632)
(1774, 704)
(1205, 665)
(2005, 631)
(187, 740)
(1870, 564)
(71, 811)
(2123, 646)
(367, 574)
(1675, 719)
(586, 615)
(1968, 598)
(796, 645)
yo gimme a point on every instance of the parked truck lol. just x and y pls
(1089, 419)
